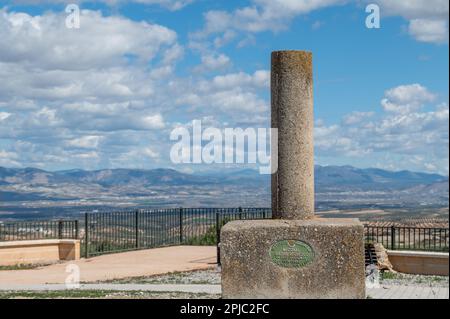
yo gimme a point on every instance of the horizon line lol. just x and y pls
(214, 170)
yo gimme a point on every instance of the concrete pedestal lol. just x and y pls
(302, 259)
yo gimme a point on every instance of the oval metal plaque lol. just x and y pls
(291, 254)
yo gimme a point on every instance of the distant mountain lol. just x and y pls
(30, 192)
(438, 190)
(105, 178)
(348, 177)
(327, 177)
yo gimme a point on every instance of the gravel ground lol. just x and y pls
(201, 277)
(398, 279)
(212, 277)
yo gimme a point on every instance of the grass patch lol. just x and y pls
(102, 294)
(209, 238)
(413, 279)
(23, 266)
(388, 275)
(55, 294)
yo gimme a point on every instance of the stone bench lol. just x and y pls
(38, 251)
(419, 262)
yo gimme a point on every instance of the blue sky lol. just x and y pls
(108, 94)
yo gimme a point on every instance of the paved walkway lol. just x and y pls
(115, 266)
(408, 292)
(385, 292)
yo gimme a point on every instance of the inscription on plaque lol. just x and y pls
(291, 254)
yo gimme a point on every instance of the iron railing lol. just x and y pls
(35, 230)
(141, 229)
(110, 232)
(130, 230)
(409, 238)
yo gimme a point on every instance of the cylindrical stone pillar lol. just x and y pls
(292, 115)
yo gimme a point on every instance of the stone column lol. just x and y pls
(293, 115)
(293, 255)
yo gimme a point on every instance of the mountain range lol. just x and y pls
(327, 177)
(32, 192)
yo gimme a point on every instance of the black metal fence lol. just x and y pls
(34, 230)
(122, 231)
(130, 230)
(409, 238)
(109, 232)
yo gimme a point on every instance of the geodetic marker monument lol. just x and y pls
(294, 255)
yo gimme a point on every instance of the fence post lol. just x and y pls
(60, 229)
(77, 229)
(136, 228)
(393, 237)
(181, 225)
(86, 235)
(218, 238)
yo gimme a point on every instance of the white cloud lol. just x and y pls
(415, 9)
(153, 122)
(235, 101)
(356, 117)
(104, 61)
(262, 15)
(8, 159)
(169, 4)
(214, 62)
(8, 155)
(235, 96)
(137, 157)
(406, 98)
(101, 97)
(87, 156)
(150, 153)
(224, 39)
(428, 19)
(404, 134)
(4, 116)
(118, 97)
(260, 78)
(432, 31)
(173, 54)
(86, 142)
(72, 95)
(44, 42)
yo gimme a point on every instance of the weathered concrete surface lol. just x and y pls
(420, 262)
(115, 266)
(292, 114)
(337, 270)
(38, 251)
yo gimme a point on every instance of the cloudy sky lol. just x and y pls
(108, 94)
